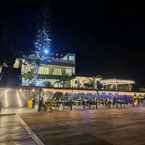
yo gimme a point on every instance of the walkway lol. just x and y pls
(12, 132)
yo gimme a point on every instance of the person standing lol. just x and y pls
(33, 102)
(83, 103)
(71, 104)
(89, 104)
(114, 102)
(96, 103)
(40, 104)
(0, 105)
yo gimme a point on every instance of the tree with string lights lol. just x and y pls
(42, 43)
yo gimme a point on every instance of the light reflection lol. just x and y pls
(18, 99)
(6, 98)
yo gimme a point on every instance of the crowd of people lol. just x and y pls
(90, 101)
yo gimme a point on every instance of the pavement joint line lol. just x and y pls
(36, 139)
(7, 114)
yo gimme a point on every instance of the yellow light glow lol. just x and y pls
(20, 90)
(117, 81)
(33, 90)
(18, 99)
(6, 98)
(69, 90)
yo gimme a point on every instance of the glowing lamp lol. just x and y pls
(46, 51)
(33, 90)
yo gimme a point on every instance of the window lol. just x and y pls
(68, 71)
(71, 58)
(57, 71)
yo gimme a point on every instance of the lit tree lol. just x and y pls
(42, 48)
(42, 43)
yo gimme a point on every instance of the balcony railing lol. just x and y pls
(60, 61)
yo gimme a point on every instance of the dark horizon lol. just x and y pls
(107, 36)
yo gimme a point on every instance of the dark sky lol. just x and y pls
(107, 36)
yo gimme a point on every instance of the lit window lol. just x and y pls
(69, 71)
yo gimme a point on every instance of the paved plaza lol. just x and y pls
(88, 127)
(92, 127)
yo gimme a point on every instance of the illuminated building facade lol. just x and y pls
(59, 72)
(117, 84)
(51, 72)
(55, 75)
(88, 82)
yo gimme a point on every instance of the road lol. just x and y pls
(94, 127)
(12, 132)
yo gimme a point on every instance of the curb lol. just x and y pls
(30, 132)
(7, 114)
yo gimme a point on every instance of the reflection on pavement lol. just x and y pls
(16, 110)
(92, 127)
(12, 133)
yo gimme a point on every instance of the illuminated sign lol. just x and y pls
(116, 81)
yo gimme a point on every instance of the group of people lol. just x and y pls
(100, 101)
(87, 102)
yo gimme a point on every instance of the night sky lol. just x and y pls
(107, 36)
